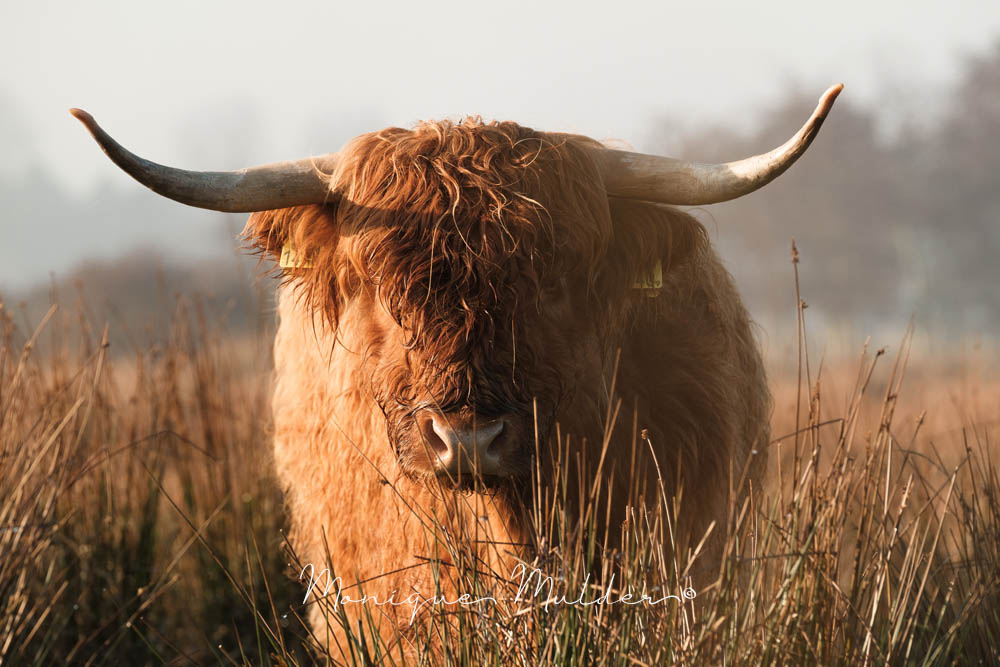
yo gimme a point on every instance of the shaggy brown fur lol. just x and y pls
(482, 268)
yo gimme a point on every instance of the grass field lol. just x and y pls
(140, 523)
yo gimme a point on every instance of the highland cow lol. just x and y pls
(452, 292)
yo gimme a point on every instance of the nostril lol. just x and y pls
(496, 447)
(490, 436)
(442, 430)
(438, 442)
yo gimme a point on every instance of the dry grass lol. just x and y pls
(140, 524)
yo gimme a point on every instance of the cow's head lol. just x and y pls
(482, 272)
(479, 271)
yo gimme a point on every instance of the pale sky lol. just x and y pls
(221, 84)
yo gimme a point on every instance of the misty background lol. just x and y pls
(895, 208)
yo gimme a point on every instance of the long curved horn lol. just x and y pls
(669, 181)
(269, 186)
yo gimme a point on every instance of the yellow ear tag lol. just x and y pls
(652, 279)
(291, 259)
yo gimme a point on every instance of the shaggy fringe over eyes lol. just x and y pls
(463, 222)
(447, 209)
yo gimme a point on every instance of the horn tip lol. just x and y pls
(827, 100)
(83, 117)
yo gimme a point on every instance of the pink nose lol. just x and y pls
(463, 446)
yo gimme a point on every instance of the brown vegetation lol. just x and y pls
(140, 524)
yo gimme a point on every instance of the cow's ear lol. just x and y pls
(293, 237)
(681, 237)
(303, 241)
(265, 233)
(648, 234)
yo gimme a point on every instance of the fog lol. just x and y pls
(895, 208)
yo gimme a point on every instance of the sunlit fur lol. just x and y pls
(472, 266)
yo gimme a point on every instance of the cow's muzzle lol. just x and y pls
(464, 447)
